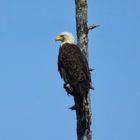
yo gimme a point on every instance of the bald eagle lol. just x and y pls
(73, 67)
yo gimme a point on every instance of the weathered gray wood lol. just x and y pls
(83, 117)
(81, 25)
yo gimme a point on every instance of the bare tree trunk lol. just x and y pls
(83, 117)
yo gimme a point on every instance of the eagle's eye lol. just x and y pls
(63, 38)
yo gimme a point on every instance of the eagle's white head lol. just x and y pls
(65, 37)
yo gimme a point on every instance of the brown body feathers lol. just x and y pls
(73, 68)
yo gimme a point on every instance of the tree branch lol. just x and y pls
(93, 26)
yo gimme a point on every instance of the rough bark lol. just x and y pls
(81, 25)
(83, 117)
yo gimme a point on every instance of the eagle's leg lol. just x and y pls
(80, 104)
(70, 91)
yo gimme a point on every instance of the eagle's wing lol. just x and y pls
(61, 68)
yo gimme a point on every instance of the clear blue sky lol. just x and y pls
(33, 103)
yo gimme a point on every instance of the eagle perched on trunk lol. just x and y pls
(73, 68)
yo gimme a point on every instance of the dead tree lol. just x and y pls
(83, 117)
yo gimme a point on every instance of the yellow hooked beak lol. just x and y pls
(59, 38)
